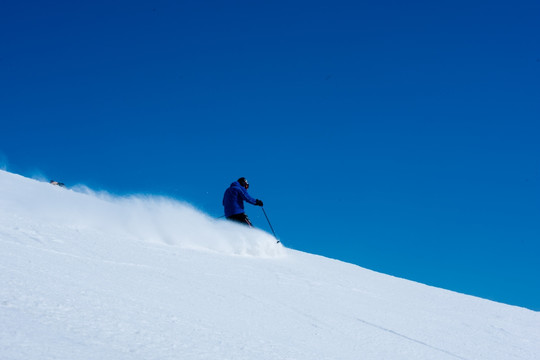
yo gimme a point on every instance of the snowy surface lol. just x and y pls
(91, 276)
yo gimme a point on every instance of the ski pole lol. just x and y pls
(273, 232)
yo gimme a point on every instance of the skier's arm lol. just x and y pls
(248, 198)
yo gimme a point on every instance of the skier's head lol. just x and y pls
(243, 182)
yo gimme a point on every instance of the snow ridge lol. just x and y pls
(146, 218)
(92, 276)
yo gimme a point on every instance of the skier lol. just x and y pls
(233, 201)
(54, 182)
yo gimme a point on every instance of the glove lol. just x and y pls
(258, 202)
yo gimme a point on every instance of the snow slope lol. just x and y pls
(91, 276)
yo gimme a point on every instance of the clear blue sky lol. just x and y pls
(399, 136)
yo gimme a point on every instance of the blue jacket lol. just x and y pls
(233, 199)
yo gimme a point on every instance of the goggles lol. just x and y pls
(244, 183)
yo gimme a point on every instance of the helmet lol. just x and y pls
(243, 182)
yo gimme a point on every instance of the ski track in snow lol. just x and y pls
(411, 339)
(93, 276)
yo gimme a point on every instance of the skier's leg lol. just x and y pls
(241, 218)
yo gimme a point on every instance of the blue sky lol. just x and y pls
(402, 137)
